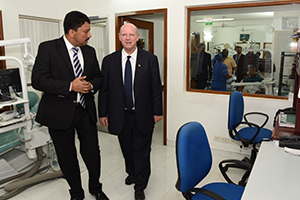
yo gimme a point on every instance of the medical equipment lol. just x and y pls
(34, 135)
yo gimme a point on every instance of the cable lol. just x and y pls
(19, 137)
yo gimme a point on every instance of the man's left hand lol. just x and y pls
(157, 118)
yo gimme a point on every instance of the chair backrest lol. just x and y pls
(193, 155)
(236, 109)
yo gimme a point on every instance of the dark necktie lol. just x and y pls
(128, 85)
(200, 67)
(237, 58)
(78, 72)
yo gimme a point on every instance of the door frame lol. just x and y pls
(118, 23)
(143, 25)
(2, 49)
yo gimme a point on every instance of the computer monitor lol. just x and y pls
(9, 78)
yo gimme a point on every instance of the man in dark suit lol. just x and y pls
(239, 60)
(67, 103)
(201, 67)
(130, 103)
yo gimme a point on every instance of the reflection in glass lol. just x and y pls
(200, 67)
(254, 39)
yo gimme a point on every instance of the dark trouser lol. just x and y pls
(201, 81)
(64, 142)
(136, 148)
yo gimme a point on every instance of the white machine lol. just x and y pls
(34, 136)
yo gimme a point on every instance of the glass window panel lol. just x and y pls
(259, 35)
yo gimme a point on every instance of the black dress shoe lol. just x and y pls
(129, 180)
(139, 195)
(100, 196)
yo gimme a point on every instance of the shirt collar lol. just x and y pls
(133, 55)
(68, 44)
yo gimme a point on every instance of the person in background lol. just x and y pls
(215, 59)
(250, 59)
(253, 77)
(201, 67)
(220, 73)
(229, 62)
(258, 54)
(130, 103)
(66, 70)
(239, 59)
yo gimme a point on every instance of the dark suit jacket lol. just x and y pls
(207, 70)
(147, 91)
(52, 74)
(239, 67)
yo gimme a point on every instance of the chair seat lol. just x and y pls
(226, 190)
(248, 132)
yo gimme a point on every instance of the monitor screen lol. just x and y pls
(9, 79)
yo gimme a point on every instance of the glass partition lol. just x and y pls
(240, 47)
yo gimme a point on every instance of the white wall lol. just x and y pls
(182, 106)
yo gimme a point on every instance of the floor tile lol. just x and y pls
(161, 184)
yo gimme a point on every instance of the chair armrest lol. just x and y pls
(203, 191)
(257, 113)
(240, 137)
(238, 163)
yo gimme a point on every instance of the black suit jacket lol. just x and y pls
(52, 74)
(147, 91)
(239, 67)
(207, 70)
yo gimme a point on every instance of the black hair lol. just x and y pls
(74, 20)
(224, 53)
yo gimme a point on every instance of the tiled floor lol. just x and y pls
(162, 179)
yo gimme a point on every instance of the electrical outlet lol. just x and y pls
(221, 139)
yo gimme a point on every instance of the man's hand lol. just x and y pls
(81, 85)
(157, 118)
(103, 121)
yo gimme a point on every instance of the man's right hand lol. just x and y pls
(103, 121)
(81, 85)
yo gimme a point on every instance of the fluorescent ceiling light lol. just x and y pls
(216, 20)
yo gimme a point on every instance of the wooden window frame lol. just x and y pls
(225, 6)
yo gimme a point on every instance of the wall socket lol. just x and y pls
(221, 139)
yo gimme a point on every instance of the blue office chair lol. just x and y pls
(194, 161)
(252, 134)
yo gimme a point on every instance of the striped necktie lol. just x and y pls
(78, 72)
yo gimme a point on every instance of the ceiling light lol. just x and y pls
(214, 20)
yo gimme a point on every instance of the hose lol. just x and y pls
(32, 180)
(33, 170)
(25, 179)
(24, 184)
(19, 175)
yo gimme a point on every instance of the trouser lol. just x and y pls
(201, 81)
(136, 148)
(64, 143)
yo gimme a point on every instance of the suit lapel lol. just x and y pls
(86, 60)
(118, 68)
(64, 54)
(138, 67)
